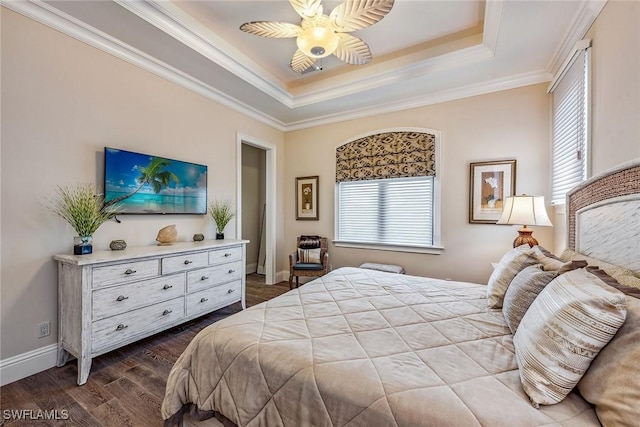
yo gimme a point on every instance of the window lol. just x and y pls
(570, 124)
(397, 211)
(387, 192)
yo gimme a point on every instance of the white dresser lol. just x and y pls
(112, 298)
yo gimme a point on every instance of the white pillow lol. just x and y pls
(309, 256)
(563, 330)
(510, 265)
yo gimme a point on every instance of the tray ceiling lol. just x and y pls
(424, 51)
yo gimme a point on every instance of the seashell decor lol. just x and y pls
(167, 235)
(118, 245)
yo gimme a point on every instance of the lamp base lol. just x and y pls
(525, 237)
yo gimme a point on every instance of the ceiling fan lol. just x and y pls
(321, 35)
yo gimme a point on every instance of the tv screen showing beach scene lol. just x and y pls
(146, 184)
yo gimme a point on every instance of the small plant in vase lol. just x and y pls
(221, 211)
(84, 210)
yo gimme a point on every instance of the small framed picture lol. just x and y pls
(489, 184)
(307, 198)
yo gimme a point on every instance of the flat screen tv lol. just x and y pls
(146, 184)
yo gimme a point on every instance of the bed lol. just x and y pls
(359, 347)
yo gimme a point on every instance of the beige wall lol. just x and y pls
(615, 85)
(505, 125)
(615, 89)
(62, 102)
(253, 200)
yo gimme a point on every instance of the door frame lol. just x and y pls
(270, 197)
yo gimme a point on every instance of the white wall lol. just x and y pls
(62, 102)
(506, 125)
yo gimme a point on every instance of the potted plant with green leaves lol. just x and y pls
(221, 212)
(84, 210)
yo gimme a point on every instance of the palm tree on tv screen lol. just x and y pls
(154, 175)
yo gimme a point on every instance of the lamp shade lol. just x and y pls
(318, 42)
(524, 210)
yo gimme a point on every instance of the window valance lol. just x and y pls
(386, 155)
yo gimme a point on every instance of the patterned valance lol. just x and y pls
(386, 155)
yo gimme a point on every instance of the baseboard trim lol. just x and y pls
(252, 268)
(23, 365)
(282, 276)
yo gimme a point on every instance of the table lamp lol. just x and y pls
(525, 210)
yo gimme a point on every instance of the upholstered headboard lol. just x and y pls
(603, 216)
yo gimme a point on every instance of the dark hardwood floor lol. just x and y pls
(125, 387)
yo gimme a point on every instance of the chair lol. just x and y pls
(308, 269)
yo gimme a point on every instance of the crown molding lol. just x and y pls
(416, 69)
(66, 24)
(581, 24)
(482, 88)
(492, 18)
(47, 15)
(173, 21)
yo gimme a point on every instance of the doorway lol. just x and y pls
(256, 204)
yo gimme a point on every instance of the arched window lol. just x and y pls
(387, 191)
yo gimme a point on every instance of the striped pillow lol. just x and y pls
(309, 256)
(566, 326)
(522, 291)
(510, 265)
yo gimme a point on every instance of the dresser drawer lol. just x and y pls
(184, 262)
(119, 299)
(215, 297)
(220, 256)
(125, 272)
(111, 331)
(207, 277)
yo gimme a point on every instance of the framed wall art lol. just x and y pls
(307, 198)
(489, 184)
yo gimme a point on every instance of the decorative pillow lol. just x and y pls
(611, 382)
(549, 261)
(524, 288)
(309, 256)
(566, 326)
(510, 264)
(622, 275)
(602, 275)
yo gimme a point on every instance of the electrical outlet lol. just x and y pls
(44, 329)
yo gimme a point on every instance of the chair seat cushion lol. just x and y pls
(307, 266)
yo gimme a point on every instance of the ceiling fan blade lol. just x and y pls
(301, 62)
(307, 8)
(278, 30)
(357, 14)
(352, 50)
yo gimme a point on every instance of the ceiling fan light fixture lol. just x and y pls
(318, 42)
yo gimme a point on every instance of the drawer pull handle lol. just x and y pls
(165, 287)
(129, 271)
(164, 313)
(121, 327)
(204, 300)
(204, 278)
(230, 291)
(227, 255)
(231, 271)
(121, 298)
(187, 262)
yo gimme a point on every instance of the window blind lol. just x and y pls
(570, 127)
(396, 211)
